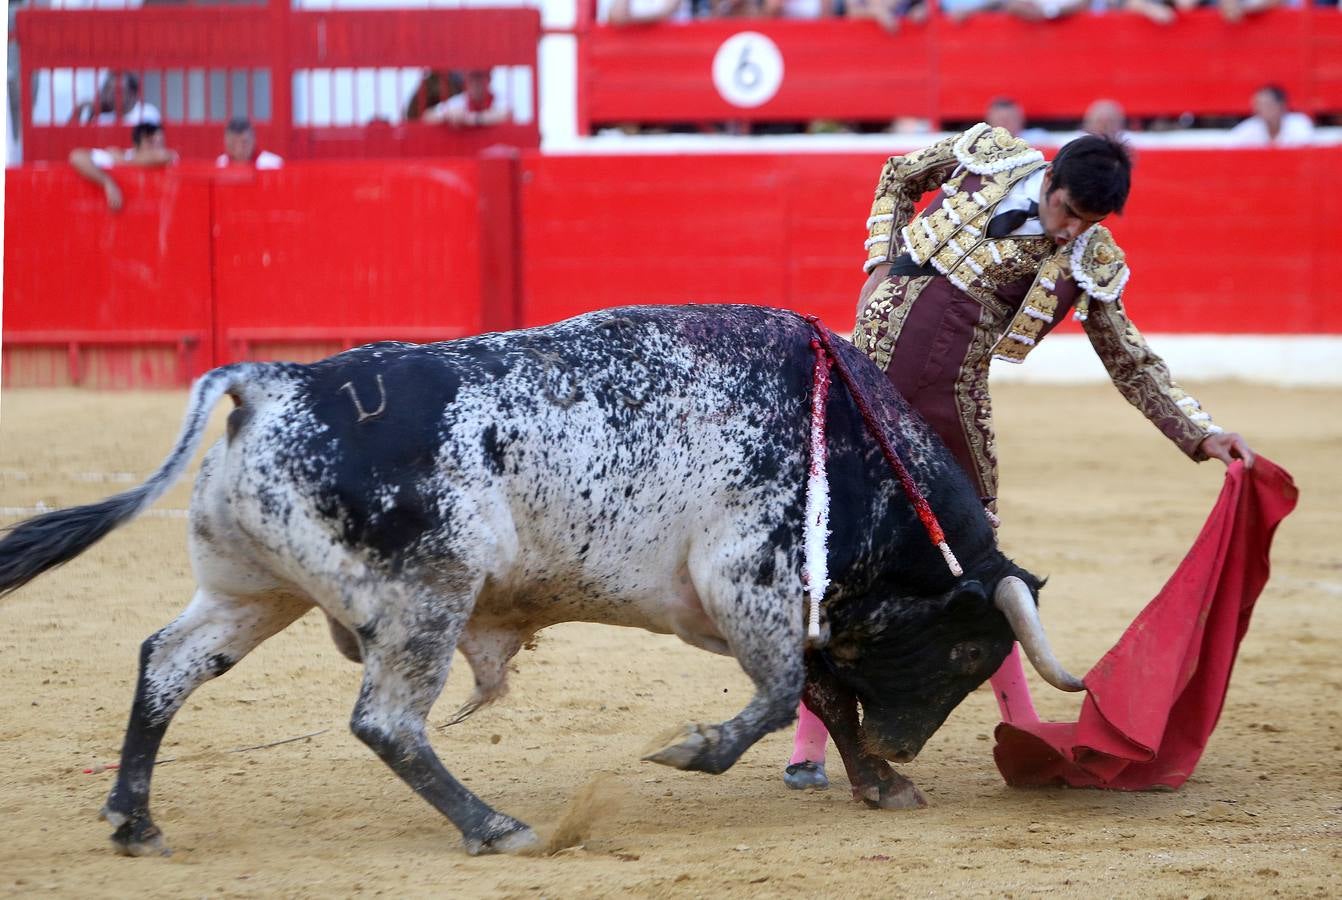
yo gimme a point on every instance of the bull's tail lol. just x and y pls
(32, 547)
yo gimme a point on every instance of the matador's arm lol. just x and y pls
(904, 180)
(1144, 379)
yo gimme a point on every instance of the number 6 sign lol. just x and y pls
(747, 69)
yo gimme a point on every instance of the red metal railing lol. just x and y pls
(201, 65)
(941, 70)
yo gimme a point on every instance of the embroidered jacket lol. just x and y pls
(1025, 283)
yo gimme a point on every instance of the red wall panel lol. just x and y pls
(1219, 241)
(345, 253)
(77, 275)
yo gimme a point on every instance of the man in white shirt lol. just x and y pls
(477, 104)
(118, 102)
(240, 148)
(1272, 125)
(149, 150)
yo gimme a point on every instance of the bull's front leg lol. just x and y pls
(874, 781)
(764, 633)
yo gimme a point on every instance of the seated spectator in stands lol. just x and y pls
(798, 9)
(149, 150)
(1231, 10)
(643, 12)
(240, 147)
(1005, 112)
(436, 86)
(1271, 125)
(1105, 117)
(1030, 10)
(476, 105)
(120, 91)
(1159, 11)
(888, 13)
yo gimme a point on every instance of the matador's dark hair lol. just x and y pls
(1097, 172)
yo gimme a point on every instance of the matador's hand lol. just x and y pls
(1227, 446)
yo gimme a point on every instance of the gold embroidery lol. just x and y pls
(881, 317)
(1102, 270)
(974, 405)
(987, 150)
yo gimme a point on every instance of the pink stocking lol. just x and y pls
(1012, 691)
(809, 743)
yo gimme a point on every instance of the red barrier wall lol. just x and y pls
(93, 298)
(205, 267)
(1219, 241)
(337, 255)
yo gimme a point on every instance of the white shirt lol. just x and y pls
(140, 112)
(105, 159)
(1296, 130)
(639, 8)
(1021, 195)
(264, 160)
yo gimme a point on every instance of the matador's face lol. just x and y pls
(1061, 218)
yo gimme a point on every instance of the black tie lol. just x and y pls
(1004, 223)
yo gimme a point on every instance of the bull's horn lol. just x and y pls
(1016, 602)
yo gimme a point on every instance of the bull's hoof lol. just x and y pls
(901, 795)
(806, 775)
(689, 748)
(504, 835)
(135, 836)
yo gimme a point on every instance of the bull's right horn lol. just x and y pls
(1016, 602)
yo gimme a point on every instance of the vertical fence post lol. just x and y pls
(500, 238)
(281, 75)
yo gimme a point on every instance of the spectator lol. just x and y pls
(1005, 112)
(149, 149)
(1159, 11)
(477, 104)
(1106, 118)
(1040, 10)
(644, 12)
(1231, 10)
(888, 13)
(240, 147)
(1030, 10)
(435, 87)
(1271, 125)
(119, 92)
(799, 9)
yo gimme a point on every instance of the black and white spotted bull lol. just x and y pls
(640, 467)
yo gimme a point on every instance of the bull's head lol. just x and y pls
(911, 661)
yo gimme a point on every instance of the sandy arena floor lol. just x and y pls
(1094, 497)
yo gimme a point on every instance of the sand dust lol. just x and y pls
(1093, 497)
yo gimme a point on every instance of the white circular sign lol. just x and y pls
(748, 69)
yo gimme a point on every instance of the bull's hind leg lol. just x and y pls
(762, 627)
(206, 640)
(406, 662)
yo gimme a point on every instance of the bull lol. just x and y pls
(641, 467)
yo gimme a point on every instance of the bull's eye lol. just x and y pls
(967, 656)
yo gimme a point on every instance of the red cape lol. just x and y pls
(1153, 700)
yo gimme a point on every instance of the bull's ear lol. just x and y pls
(969, 600)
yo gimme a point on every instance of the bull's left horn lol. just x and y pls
(1016, 602)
